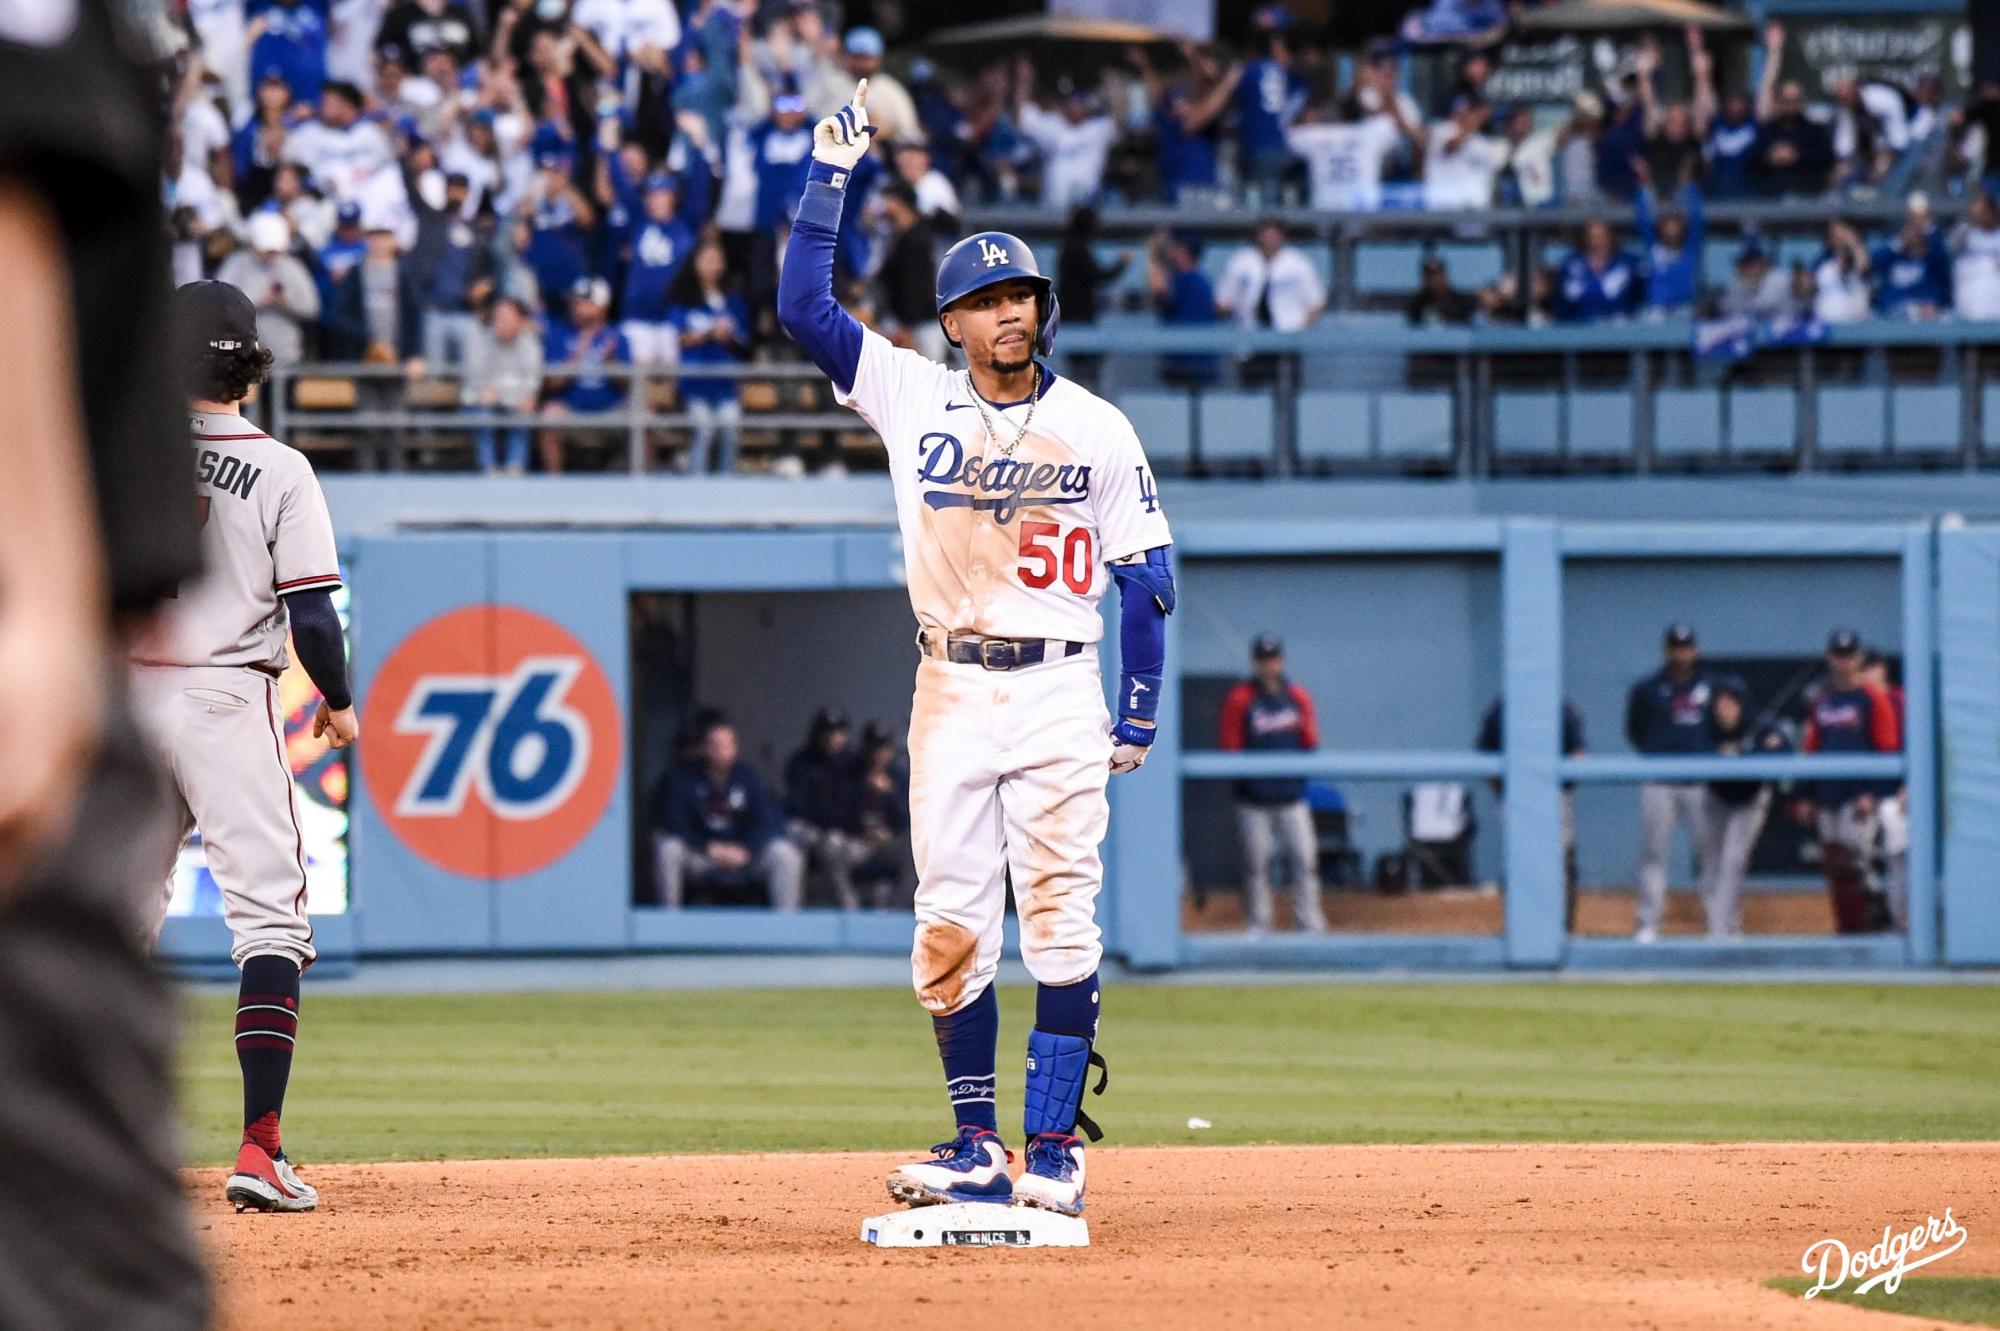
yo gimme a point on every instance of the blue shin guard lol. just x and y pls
(1058, 1069)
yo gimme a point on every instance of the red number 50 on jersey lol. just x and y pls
(1041, 563)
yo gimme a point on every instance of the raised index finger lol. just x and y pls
(861, 93)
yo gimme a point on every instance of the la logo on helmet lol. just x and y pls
(992, 253)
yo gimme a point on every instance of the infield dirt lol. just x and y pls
(1662, 1236)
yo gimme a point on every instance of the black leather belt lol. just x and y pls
(999, 653)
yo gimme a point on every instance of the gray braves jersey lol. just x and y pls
(265, 534)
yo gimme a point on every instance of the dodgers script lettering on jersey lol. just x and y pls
(265, 532)
(999, 542)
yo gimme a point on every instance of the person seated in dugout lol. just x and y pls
(875, 821)
(815, 800)
(716, 826)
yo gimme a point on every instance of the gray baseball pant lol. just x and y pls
(1663, 804)
(1290, 825)
(1728, 835)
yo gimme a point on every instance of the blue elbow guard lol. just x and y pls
(1153, 575)
(1058, 1067)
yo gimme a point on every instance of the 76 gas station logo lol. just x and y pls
(512, 738)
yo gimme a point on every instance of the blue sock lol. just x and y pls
(969, 1042)
(1068, 1009)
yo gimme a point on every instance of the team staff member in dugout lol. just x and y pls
(97, 526)
(1668, 712)
(1269, 713)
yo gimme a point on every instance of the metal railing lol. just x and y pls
(1520, 234)
(1598, 389)
(431, 405)
(1597, 382)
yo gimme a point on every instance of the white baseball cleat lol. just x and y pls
(971, 1167)
(264, 1182)
(1054, 1177)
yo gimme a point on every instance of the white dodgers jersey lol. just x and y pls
(265, 533)
(1000, 545)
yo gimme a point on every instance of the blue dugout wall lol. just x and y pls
(493, 811)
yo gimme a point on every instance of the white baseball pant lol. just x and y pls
(1007, 773)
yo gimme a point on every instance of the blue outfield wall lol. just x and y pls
(494, 804)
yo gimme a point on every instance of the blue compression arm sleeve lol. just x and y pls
(806, 307)
(1145, 598)
(316, 637)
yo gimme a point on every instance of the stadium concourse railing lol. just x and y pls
(1342, 398)
(1354, 245)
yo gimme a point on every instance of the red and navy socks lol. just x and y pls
(267, 1028)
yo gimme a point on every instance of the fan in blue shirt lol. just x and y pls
(1598, 281)
(1270, 97)
(1731, 141)
(562, 219)
(1913, 276)
(713, 325)
(584, 341)
(1183, 295)
(291, 44)
(782, 150)
(1672, 243)
(660, 245)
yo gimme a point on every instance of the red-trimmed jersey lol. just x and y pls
(1863, 719)
(265, 533)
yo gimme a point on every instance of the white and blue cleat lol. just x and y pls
(971, 1167)
(1053, 1179)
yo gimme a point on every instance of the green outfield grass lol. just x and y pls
(1969, 1299)
(462, 1076)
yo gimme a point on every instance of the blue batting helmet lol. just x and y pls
(987, 257)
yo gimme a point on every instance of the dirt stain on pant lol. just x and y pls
(945, 955)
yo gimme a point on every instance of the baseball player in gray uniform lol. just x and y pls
(207, 687)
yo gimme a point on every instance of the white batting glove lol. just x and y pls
(1127, 758)
(841, 139)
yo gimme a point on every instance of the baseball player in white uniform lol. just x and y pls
(1021, 496)
(207, 687)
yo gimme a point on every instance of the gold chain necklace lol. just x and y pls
(1034, 396)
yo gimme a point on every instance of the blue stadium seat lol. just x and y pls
(1334, 426)
(1763, 421)
(1718, 263)
(1923, 418)
(1600, 423)
(1414, 425)
(1237, 426)
(1394, 267)
(1162, 419)
(1527, 422)
(1853, 419)
(1687, 422)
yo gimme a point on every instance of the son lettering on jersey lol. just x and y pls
(1001, 486)
(227, 473)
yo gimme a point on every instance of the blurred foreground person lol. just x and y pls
(93, 1228)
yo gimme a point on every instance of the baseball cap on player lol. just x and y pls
(1843, 642)
(1680, 635)
(1266, 646)
(215, 315)
(986, 257)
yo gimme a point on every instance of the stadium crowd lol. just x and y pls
(524, 191)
